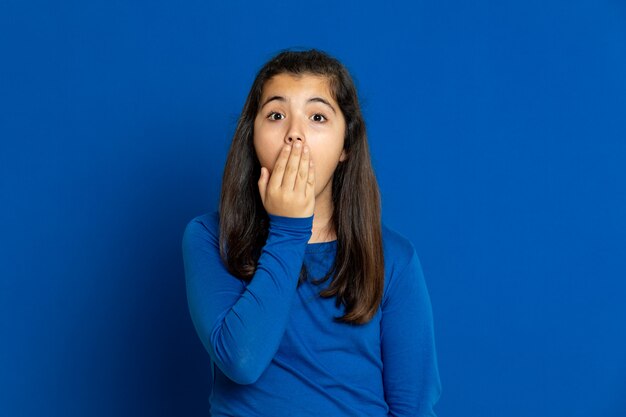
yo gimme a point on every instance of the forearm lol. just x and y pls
(247, 338)
(242, 328)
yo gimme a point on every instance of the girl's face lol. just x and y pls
(302, 107)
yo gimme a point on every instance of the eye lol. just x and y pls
(320, 115)
(270, 116)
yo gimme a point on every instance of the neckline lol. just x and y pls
(321, 246)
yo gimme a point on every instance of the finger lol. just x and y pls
(279, 167)
(303, 171)
(291, 169)
(310, 182)
(263, 183)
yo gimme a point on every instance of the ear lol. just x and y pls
(343, 156)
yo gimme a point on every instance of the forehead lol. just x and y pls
(295, 85)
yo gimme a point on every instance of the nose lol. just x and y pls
(294, 133)
(292, 139)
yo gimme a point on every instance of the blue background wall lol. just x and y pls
(498, 134)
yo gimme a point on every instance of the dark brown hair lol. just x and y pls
(359, 265)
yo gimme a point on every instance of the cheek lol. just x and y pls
(259, 143)
(266, 151)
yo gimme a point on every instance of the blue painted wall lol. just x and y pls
(498, 134)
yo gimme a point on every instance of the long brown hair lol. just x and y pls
(359, 263)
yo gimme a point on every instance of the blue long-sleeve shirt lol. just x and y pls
(274, 348)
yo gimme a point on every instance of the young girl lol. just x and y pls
(307, 304)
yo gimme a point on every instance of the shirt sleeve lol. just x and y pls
(240, 325)
(410, 372)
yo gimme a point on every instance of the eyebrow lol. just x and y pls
(312, 99)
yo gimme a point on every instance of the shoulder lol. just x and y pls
(400, 255)
(204, 227)
(397, 248)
